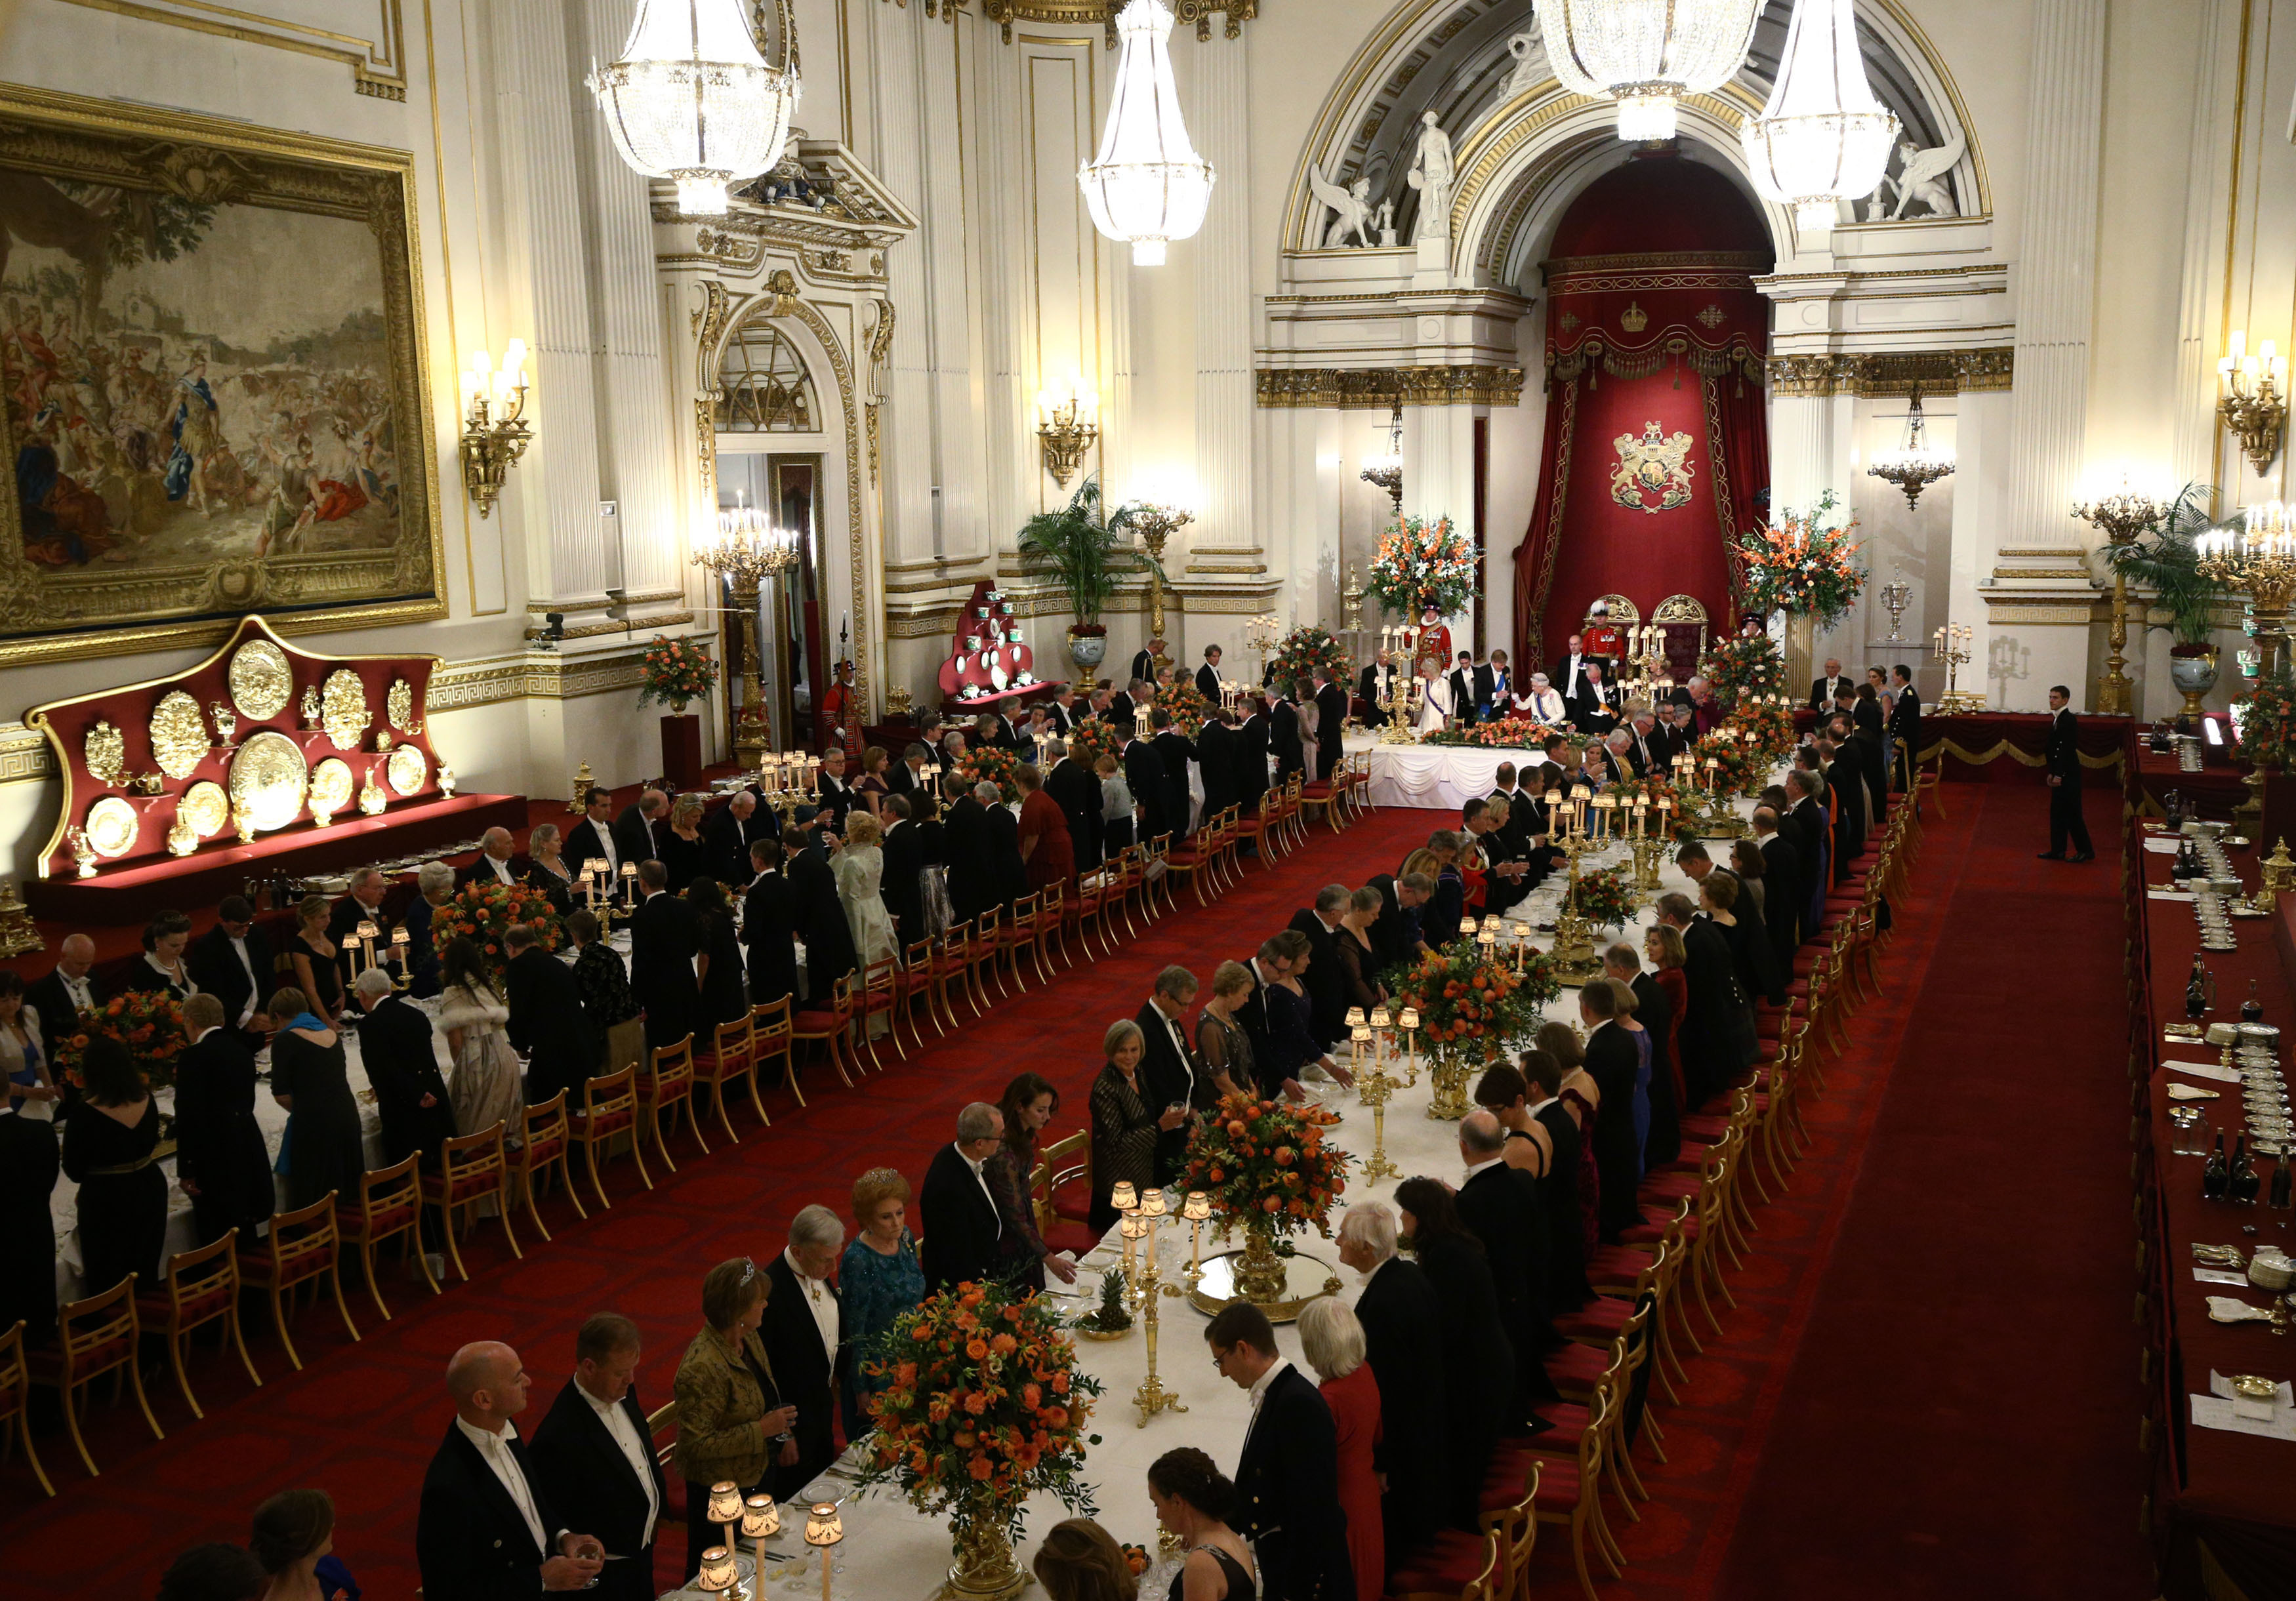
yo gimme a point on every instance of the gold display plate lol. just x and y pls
(112, 826)
(269, 780)
(407, 768)
(105, 750)
(206, 807)
(1216, 1288)
(332, 785)
(342, 709)
(179, 735)
(398, 706)
(261, 681)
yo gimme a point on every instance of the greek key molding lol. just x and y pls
(1892, 372)
(536, 675)
(25, 756)
(1383, 389)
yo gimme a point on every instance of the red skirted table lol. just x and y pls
(2006, 748)
(2224, 1503)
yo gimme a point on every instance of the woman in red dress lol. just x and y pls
(1045, 844)
(1333, 1341)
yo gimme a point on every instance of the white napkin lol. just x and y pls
(2191, 1092)
(2164, 847)
(2220, 1276)
(2214, 1412)
(2223, 1075)
(2224, 1308)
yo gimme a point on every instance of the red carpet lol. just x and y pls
(362, 1423)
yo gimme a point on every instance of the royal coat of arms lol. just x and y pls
(1656, 464)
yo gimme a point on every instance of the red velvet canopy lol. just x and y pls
(1657, 444)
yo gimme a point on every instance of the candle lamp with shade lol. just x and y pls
(761, 1520)
(725, 1509)
(824, 1528)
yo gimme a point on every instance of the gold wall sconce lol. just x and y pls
(2254, 403)
(495, 432)
(1069, 426)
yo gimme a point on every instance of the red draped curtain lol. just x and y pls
(1656, 450)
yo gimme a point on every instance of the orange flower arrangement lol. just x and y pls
(482, 913)
(983, 1406)
(1463, 997)
(149, 1022)
(1267, 1162)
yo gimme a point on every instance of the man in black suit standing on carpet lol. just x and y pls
(1463, 690)
(592, 839)
(1284, 735)
(1077, 792)
(1331, 721)
(769, 926)
(1325, 981)
(905, 861)
(1215, 760)
(1287, 1481)
(665, 937)
(1144, 664)
(1499, 1205)
(402, 1068)
(820, 925)
(486, 1530)
(1208, 676)
(1905, 729)
(972, 886)
(1783, 891)
(564, 1047)
(1175, 752)
(1171, 1074)
(1251, 758)
(1403, 1341)
(732, 829)
(231, 961)
(66, 989)
(1143, 775)
(638, 831)
(593, 1457)
(803, 1333)
(955, 1213)
(1822, 691)
(1376, 683)
(2062, 755)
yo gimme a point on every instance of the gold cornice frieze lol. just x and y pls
(537, 675)
(1875, 373)
(1088, 13)
(1383, 389)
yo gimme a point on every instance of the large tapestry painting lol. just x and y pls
(209, 349)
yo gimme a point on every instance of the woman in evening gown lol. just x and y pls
(1333, 1341)
(485, 1083)
(108, 1152)
(1195, 1499)
(310, 962)
(860, 871)
(325, 1148)
(879, 1277)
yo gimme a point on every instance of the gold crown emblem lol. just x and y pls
(1634, 319)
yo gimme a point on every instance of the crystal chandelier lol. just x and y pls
(1147, 185)
(1646, 54)
(1913, 467)
(1823, 138)
(691, 100)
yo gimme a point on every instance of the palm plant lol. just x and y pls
(1087, 552)
(2166, 560)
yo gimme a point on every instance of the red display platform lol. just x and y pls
(131, 894)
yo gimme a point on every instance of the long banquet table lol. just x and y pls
(893, 1552)
(2224, 1503)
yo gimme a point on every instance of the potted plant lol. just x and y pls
(676, 671)
(1087, 552)
(2166, 560)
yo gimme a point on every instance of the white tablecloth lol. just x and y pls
(893, 1553)
(1441, 776)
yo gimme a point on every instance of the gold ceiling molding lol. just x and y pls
(536, 676)
(1877, 373)
(1085, 13)
(378, 66)
(1383, 389)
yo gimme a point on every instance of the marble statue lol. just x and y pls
(1431, 175)
(1386, 224)
(1920, 177)
(1351, 207)
(1529, 64)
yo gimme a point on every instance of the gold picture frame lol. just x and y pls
(217, 478)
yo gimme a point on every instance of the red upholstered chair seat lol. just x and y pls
(1451, 1561)
(1600, 1319)
(543, 1151)
(1317, 790)
(1576, 1367)
(353, 1225)
(155, 1310)
(259, 1267)
(1616, 1264)
(1073, 1237)
(1566, 1420)
(1675, 1186)
(598, 1125)
(95, 1360)
(820, 1022)
(1706, 1131)
(1807, 960)
(1656, 1222)
(470, 1187)
(1558, 1484)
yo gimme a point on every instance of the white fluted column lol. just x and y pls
(2207, 179)
(895, 149)
(2057, 272)
(1007, 343)
(1219, 121)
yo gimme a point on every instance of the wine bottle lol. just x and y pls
(2196, 990)
(2252, 1010)
(2213, 1176)
(2280, 1191)
(2241, 1183)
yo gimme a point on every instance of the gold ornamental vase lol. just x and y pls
(982, 1568)
(1260, 1277)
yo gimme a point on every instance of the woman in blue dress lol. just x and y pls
(879, 1278)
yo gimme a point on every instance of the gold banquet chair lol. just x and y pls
(94, 1336)
(201, 1286)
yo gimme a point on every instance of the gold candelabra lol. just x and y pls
(2120, 518)
(494, 434)
(1374, 1088)
(1146, 1288)
(1951, 645)
(2260, 561)
(1158, 524)
(745, 550)
(2253, 405)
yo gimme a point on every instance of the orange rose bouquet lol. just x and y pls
(1092, 738)
(994, 764)
(1463, 997)
(983, 1406)
(1267, 1163)
(149, 1022)
(482, 913)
